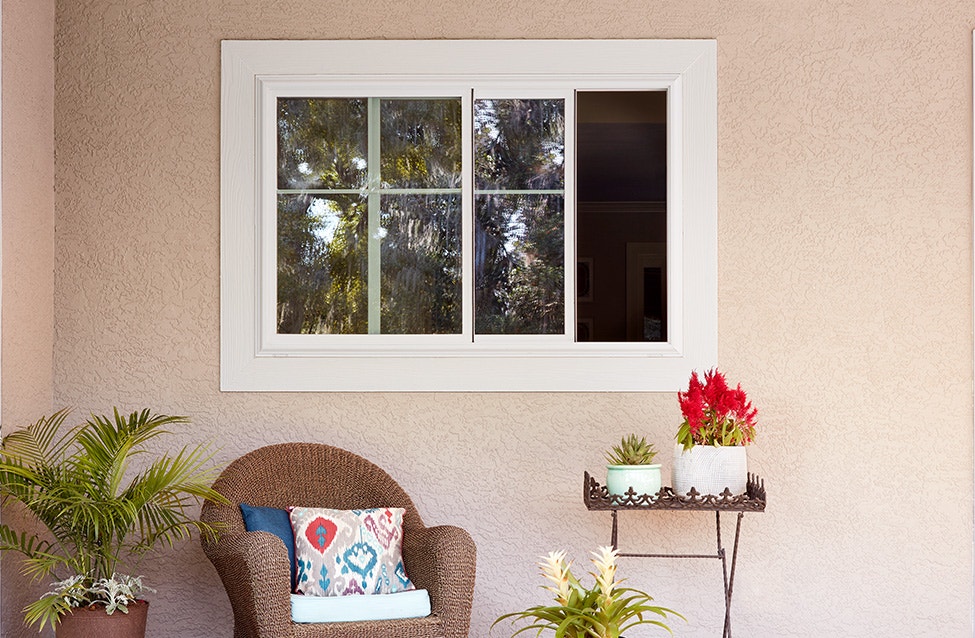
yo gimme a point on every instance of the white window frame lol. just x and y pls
(255, 358)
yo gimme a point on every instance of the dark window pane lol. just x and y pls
(622, 161)
(322, 143)
(519, 144)
(421, 143)
(654, 317)
(322, 252)
(519, 269)
(421, 264)
(621, 215)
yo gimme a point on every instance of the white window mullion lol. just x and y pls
(374, 223)
(467, 214)
(569, 216)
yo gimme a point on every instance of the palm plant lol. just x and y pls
(82, 486)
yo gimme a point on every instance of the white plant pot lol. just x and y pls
(710, 469)
(644, 479)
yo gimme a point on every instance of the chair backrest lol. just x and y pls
(305, 475)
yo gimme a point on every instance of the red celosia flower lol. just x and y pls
(715, 414)
(692, 403)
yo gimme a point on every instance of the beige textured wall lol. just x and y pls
(845, 305)
(28, 210)
(28, 235)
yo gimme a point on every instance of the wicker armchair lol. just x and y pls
(254, 565)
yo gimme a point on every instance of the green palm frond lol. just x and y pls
(166, 489)
(110, 444)
(40, 556)
(36, 446)
(46, 611)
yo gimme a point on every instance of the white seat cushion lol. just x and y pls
(405, 604)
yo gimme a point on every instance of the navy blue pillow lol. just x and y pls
(278, 522)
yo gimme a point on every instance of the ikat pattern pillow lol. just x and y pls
(342, 552)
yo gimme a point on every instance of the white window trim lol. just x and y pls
(256, 361)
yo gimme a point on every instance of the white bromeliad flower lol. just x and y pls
(556, 570)
(602, 611)
(604, 559)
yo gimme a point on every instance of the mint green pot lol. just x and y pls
(644, 479)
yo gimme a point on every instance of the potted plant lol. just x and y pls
(82, 485)
(631, 466)
(604, 610)
(719, 421)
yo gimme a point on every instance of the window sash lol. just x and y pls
(373, 193)
(566, 93)
(273, 89)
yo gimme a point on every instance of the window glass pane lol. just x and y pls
(519, 144)
(621, 215)
(322, 251)
(519, 273)
(322, 143)
(421, 264)
(421, 143)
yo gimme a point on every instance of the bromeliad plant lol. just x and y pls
(714, 413)
(605, 610)
(101, 510)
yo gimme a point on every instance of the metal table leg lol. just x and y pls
(613, 540)
(729, 579)
(728, 575)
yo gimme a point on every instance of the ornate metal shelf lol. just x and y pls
(597, 497)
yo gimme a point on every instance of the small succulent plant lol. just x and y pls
(631, 451)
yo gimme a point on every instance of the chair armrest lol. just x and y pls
(255, 572)
(443, 561)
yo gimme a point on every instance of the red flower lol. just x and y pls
(692, 403)
(715, 414)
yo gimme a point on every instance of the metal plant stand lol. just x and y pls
(597, 498)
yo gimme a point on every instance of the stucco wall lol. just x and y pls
(845, 306)
(28, 209)
(28, 234)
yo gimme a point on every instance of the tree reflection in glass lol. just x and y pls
(519, 271)
(421, 143)
(421, 264)
(322, 264)
(369, 216)
(322, 143)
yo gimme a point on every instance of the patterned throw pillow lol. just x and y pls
(340, 552)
